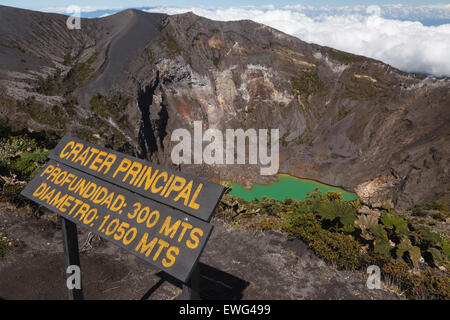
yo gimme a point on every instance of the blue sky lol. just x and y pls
(33, 4)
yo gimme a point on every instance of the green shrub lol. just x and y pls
(343, 57)
(356, 204)
(333, 247)
(83, 70)
(20, 159)
(307, 83)
(342, 113)
(440, 216)
(50, 84)
(365, 223)
(445, 246)
(29, 162)
(268, 206)
(21, 156)
(426, 285)
(4, 245)
(419, 211)
(381, 242)
(395, 223)
(67, 59)
(437, 258)
(337, 210)
(114, 107)
(425, 238)
(80, 72)
(11, 193)
(216, 60)
(435, 205)
(398, 271)
(405, 246)
(172, 44)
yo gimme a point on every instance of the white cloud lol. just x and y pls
(386, 33)
(82, 9)
(368, 31)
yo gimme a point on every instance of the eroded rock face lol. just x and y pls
(344, 120)
(379, 192)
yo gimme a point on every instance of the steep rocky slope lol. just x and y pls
(128, 80)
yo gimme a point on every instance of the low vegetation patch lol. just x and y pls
(49, 85)
(306, 84)
(113, 106)
(435, 210)
(172, 44)
(106, 109)
(413, 257)
(342, 113)
(6, 244)
(80, 72)
(343, 57)
(49, 115)
(83, 70)
(21, 157)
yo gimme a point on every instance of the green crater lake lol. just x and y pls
(286, 186)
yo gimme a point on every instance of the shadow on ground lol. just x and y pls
(214, 284)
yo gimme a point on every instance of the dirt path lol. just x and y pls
(235, 265)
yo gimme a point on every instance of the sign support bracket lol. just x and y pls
(71, 253)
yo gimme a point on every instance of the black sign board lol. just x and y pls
(159, 215)
(189, 194)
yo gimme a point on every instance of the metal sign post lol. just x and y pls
(71, 253)
(191, 289)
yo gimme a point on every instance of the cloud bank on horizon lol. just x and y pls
(389, 33)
